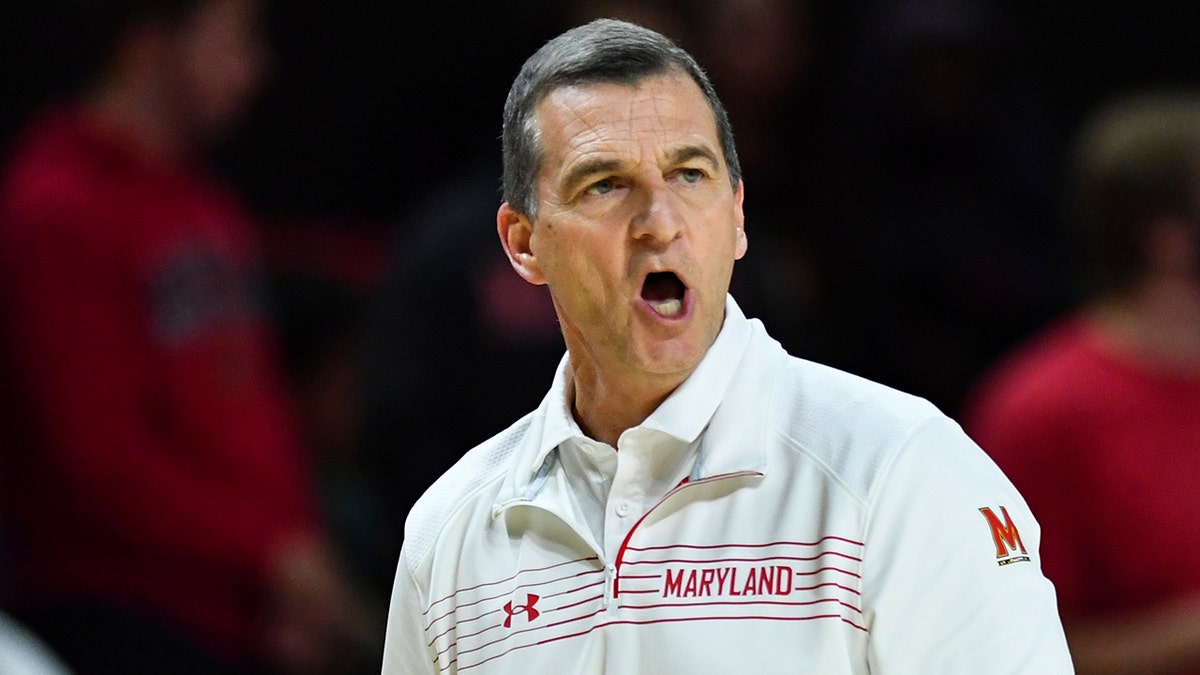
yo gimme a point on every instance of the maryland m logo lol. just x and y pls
(1009, 547)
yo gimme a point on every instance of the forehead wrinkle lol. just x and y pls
(588, 144)
(587, 126)
(566, 113)
(668, 109)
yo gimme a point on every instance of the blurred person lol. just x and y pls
(688, 497)
(157, 500)
(1097, 418)
(322, 319)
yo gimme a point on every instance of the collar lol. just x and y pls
(694, 406)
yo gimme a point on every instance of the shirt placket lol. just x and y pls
(626, 498)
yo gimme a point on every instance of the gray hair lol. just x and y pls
(602, 51)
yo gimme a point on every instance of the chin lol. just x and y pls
(671, 359)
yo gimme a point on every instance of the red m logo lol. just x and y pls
(1004, 533)
(528, 608)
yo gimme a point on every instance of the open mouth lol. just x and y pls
(664, 291)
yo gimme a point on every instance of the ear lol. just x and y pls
(741, 245)
(516, 231)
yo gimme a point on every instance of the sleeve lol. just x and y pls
(406, 648)
(87, 375)
(952, 581)
(1036, 447)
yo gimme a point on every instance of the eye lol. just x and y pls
(691, 175)
(602, 187)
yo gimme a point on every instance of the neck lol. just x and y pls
(605, 406)
(1159, 321)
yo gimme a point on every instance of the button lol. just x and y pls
(622, 509)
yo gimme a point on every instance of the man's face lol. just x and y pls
(220, 55)
(638, 226)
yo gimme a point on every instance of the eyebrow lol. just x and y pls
(581, 172)
(690, 152)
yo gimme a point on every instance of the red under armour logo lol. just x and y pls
(528, 608)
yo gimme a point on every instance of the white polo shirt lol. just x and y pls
(772, 515)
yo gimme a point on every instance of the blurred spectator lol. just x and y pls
(1097, 419)
(322, 321)
(159, 508)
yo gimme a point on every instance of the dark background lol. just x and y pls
(902, 196)
(372, 102)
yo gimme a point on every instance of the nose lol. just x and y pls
(661, 219)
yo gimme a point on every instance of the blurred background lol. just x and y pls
(902, 162)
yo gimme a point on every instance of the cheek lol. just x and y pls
(720, 273)
(229, 77)
(572, 254)
(578, 275)
(720, 259)
(726, 237)
(581, 280)
(224, 65)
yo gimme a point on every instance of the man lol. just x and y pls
(688, 498)
(158, 513)
(1097, 419)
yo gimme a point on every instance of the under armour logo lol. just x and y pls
(531, 613)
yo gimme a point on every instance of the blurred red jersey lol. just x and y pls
(1104, 450)
(150, 460)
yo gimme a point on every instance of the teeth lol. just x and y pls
(668, 307)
